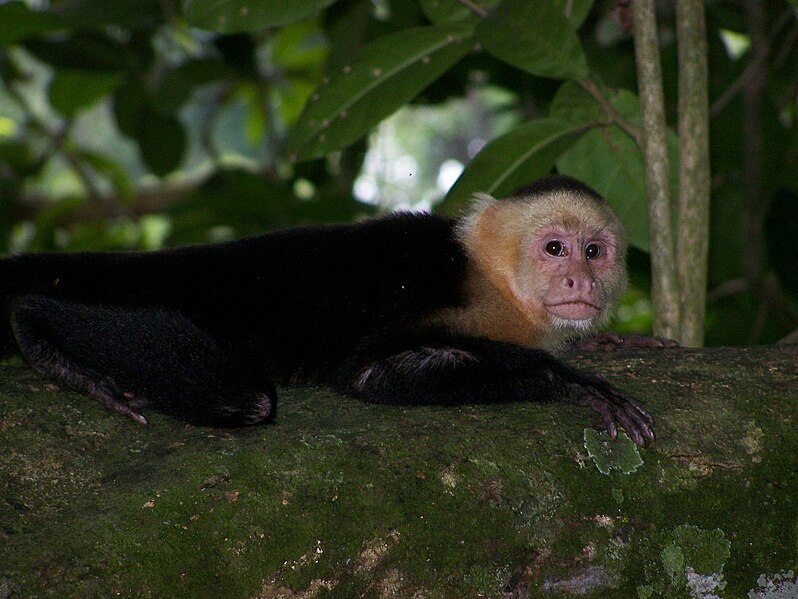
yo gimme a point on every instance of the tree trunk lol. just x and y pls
(693, 229)
(339, 498)
(664, 282)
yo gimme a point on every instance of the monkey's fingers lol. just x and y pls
(110, 401)
(606, 341)
(627, 415)
(602, 388)
(602, 408)
(635, 427)
(634, 409)
(632, 414)
(642, 342)
(125, 410)
(609, 341)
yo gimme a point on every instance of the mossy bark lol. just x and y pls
(342, 499)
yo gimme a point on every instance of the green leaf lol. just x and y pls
(299, 51)
(106, 166)
(162, 141)
(257, 202)
(514, 159)
(82, 50)
(127, 14)
(17, 22)
(441, 12)
(300, 48)
(575, 105)
(130, 101)
(72, 90)
(606, 158)
(231, 16)
(393, 70)
(575, 11)
(175, 86)
(535, 37)
(18, 156)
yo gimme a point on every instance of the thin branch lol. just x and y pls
(474, 8)
(58, 138)
(753, 161)
(733, 89)
(783, 53)
(782, 57)
(757, 64)
(727, 289)
(614, 117)
(83, 172)
(694, 178)
(664, 283)
(169, 12)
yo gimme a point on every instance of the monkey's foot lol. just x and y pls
(608, 341)
(616, 408)
(127, 404)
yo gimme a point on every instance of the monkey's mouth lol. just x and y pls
(575, 310)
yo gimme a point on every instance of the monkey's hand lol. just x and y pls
(127, 404)
(609, 341)
(615, 408)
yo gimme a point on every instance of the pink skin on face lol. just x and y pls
(575, 263)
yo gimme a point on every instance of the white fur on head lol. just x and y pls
(497, 233)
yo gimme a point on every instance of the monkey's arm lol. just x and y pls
(439, 368)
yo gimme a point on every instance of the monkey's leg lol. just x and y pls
(129, 358)
(432, 368)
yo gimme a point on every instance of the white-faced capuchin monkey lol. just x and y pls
(405, 309)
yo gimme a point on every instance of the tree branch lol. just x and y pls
(694, 188)
(614, 117)
(753, 155)
(757, 63)
(474, 8)
(664, 284)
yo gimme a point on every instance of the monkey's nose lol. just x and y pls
(586, 284)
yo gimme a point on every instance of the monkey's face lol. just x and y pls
(558, 257)
(572, 266)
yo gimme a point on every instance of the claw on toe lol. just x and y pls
(138, 418)
(126, 410)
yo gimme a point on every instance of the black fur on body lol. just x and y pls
(201, 332)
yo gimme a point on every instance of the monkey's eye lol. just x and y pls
(555, 248)
(592, 251)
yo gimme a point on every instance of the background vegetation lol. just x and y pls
(138, 124)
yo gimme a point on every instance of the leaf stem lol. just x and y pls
(474, 8)
(615, 117)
